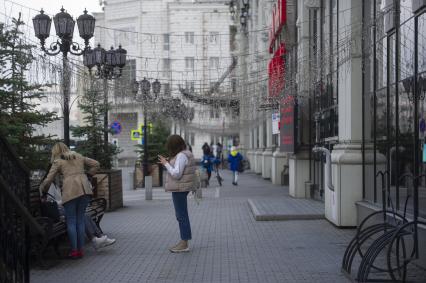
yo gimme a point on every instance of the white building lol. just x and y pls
(183, 44)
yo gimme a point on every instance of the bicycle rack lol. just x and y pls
(388, 237)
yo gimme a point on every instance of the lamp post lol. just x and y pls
(145, 86)
(106, 63)
(244, 14)
(64, 27)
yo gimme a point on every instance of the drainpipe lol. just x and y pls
(327, 163)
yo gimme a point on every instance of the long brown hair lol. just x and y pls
(174, 145)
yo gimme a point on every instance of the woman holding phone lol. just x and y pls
(180, 179)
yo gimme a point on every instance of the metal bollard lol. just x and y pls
(148, 188)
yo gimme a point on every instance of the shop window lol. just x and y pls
(189, 37)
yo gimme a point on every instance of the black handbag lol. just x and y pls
(50, 209)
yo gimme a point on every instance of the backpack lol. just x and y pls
(241, 165)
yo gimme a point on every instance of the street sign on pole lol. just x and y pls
(135, 135)
(275, 123)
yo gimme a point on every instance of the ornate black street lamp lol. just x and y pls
(145, 86)
(232, 9)
(107, 63)
(64, 27)
(244, 14)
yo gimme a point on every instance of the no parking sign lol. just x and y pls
(116, 128)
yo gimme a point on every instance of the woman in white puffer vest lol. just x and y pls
(180, 179)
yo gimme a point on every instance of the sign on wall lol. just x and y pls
(288, 114)
(275, 123)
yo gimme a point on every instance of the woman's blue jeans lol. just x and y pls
(74, 212)
(181, 211)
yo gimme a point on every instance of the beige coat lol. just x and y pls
(72, 166)
(186, 182)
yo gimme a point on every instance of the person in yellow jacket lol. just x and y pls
(234, 159)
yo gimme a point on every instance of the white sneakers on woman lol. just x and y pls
(102, 242)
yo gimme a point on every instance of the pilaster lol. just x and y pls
(298, 173)
(279, 161)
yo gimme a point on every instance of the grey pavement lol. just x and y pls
(228, 244)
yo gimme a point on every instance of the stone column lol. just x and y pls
(267, 154)
(250, 152)
(346, 156)
(279, 162)
(299, 162)
(259, 151)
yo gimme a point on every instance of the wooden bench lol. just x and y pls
(54, 231)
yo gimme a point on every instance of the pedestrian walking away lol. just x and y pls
(180, 180)
(205, 147)
(207, 162)
(76, 191)
(234, 159)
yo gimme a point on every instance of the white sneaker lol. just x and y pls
(102, 242)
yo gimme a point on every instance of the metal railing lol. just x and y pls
(385, 247)
(15, 219)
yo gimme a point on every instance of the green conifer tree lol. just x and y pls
(19, 99)
(92, 106)
(157, 137)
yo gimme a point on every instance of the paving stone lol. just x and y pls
(228, 244)
(285, 208)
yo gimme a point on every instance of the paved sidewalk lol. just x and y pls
(228, 244)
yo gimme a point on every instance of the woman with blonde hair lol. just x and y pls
(76, 191)
(180, 181)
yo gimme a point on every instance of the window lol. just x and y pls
(214, 113)
(129, 70)
(125, 36)
(166, 67)
(234, 84)
(189, 85)
(166, 42)
(166, 89)
(214, 63)
(189, 63)
(192, 139)
(189, 37)
(214, 35)
(123, 86)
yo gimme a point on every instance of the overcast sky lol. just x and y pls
(74, 7)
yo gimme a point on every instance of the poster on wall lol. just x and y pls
(288, 113)
(275, 123)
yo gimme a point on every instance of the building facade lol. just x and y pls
(188, 51)
(351, 100)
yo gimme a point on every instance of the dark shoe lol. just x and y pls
(233, 183)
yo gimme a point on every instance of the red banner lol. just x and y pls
(276, 69)
(288, 114)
